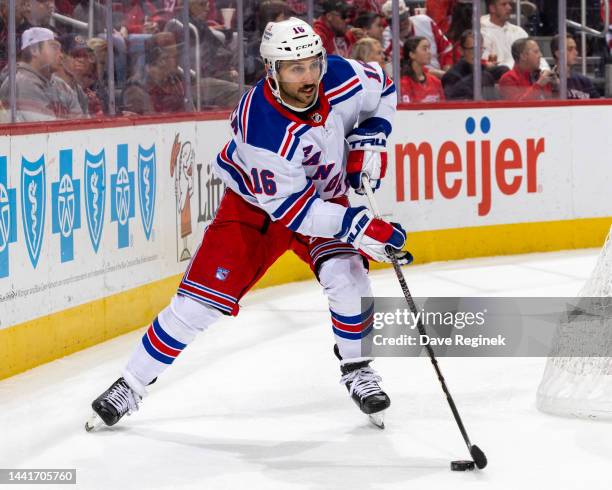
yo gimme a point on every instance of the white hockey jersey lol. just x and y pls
(292, 167)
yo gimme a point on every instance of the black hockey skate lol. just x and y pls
(113, 404)
(361, 381)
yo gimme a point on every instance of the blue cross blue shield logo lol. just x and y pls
(33, 201)
(123, 205)
(95, 194)
(66, 206)
(8, 218)
(147, 187)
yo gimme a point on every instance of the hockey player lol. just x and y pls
(287, 174)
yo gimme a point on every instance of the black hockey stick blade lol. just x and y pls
(478, 456)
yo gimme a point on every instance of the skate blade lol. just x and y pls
(378, 419)
(93, 423)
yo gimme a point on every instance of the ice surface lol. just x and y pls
(255, 403)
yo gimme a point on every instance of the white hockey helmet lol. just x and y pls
(290, 40)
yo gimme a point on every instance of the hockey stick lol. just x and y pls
(477, 455)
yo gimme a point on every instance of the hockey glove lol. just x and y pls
(367, 156)
(374, 237)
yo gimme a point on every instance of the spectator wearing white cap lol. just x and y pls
(37, 89)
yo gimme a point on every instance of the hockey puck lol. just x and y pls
(462, 465)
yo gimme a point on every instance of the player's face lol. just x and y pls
(299, 81)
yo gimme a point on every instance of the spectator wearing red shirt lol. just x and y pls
(418, 85)
(526, 81)
(331, 27)
(423, 26)
(441, 11)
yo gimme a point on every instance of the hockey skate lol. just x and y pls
(361, 381)
(113, 404)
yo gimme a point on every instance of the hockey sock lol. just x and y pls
(175, 327)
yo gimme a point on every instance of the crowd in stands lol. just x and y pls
(61, 69)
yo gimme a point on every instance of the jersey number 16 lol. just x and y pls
(263, 181)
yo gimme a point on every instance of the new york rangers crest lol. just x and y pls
(33, 201)
(95, 195)
(147, 187)
(222, 273)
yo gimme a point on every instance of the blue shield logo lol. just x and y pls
(66, 206)
(33, 200)
(95, 195)
(8, 217)
(123, 199)
(147, 187)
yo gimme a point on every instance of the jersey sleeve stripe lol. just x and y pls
(246, 109)
(295, 203)
(338, 91)
(297, 221)
(290, 137)
(225, 161)
(296, 139)
(346, 95)
(389, 90)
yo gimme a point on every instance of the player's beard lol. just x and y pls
(305, 95)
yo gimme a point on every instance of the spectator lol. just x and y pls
(20, 6)
(219, 85)
(458, 82)
(160, 88)
(78, 71)
(499, 34)
(41, 96)
(526, 81)
(423, 26)
(35, 13)
(120, 34)
(418, 85)
(370, 24)
(99, 83)
(373, 6)
(271, 11)
(268, 11)
(578, 86)
(441, 12)
(461, 21)
(140, 17)
(332, 28)
(369, 50)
